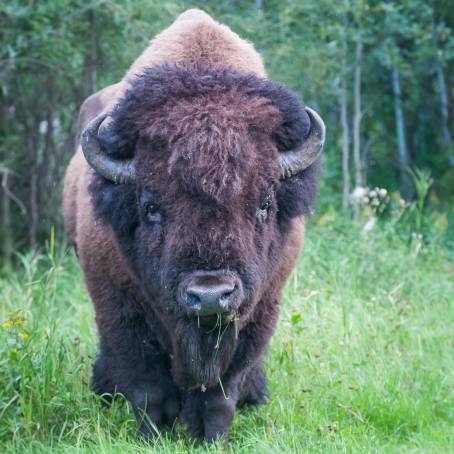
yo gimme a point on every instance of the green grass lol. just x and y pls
(363, 359)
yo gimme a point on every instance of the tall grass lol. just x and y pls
(363, 359)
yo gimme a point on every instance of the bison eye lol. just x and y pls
(152, 213)
(262, 212)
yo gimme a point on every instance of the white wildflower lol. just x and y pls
(42, 128)
(369, 225)
(358, 194)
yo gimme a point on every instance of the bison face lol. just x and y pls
(203, 257)
(210, 167)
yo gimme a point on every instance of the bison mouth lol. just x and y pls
(219, 322)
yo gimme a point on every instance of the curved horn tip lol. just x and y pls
(116, 170)
(294, 161)
(91, 127)
(317, 119)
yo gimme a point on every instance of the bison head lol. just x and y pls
(200, 171)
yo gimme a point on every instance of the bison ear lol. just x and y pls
(295, 125)
(299, 135)
(299, 138)
(296, 196)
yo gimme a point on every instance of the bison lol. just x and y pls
(185, 203)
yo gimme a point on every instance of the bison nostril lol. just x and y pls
(193, 300)
(225, 299)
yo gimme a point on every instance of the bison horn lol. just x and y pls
(119, 171)
(294, 161)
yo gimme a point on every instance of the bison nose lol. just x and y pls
(209, 295)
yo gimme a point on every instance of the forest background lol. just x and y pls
(380, 72)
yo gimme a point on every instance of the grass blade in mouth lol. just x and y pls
(218, 323)
(221, 335)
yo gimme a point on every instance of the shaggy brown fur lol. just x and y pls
(205, 130)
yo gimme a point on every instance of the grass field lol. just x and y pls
(363, 359)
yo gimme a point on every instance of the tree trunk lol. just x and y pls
(401, 137)
(446, 134)
(345, 131)
(46, 193)
(444, 94)
(357, 124)
(92, 58)
(367, 152)
(32, 145)
(33, 226)
(6, 219)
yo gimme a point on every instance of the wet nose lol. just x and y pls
(209, 295)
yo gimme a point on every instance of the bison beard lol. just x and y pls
(167, 363)
(201, 355)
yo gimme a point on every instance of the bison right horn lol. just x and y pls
(119, 171)
(294, 161)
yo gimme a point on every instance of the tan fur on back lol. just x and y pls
(196, 36)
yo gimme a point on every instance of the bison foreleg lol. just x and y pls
(218, 404)
(154, 397)
(209, 413)
(133, 363)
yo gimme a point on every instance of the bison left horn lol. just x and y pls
(298, 159)
(119, 171)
